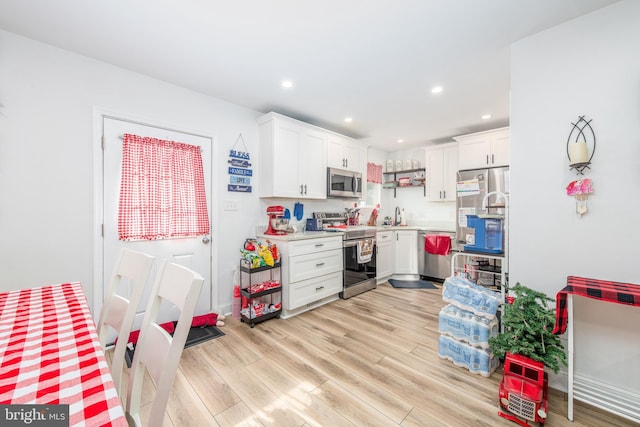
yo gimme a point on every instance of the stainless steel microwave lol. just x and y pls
(344, 183)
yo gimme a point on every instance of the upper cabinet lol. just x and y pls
(292, 158)
(344, 153)
(483, 149)
(441, 165)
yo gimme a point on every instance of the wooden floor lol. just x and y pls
(371, 360)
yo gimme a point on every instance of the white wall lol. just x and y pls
(47, 97)
(589, 66)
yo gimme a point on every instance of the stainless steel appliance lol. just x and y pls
(473, 185)
(434, 266)
(359, 252)
(344, 183)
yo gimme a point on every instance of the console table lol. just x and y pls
(603, 290)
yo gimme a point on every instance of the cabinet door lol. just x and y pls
(335, 159)
(286, 145)
(312, 164)
(405, 252)
(433, 174)
(384, 257)
(342, 153)
(474, 152)
(449, 173)
(500, 148)
(353, 154)
(442, 165)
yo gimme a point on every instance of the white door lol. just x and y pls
(194, 253)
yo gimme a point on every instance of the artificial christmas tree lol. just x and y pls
(528, 325)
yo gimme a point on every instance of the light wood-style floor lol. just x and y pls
(371, 360)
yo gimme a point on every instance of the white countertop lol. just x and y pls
(301, 235)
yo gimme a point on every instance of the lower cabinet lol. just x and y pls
(384, 257)
(405, 252)
(311, 273)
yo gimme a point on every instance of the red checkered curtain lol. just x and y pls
(162, 193)
(374, 173)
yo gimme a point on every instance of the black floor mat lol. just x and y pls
(196, 336)
(412, 284)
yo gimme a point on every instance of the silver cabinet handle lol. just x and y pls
(319, 245)
(487, 159)
(320, 264)
(492, 159)
(305, 189)
(301, 187)
(319, 288)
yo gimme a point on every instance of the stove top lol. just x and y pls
(338, 221)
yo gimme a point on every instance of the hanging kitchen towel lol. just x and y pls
(298, 210)
(437, 244)
(365, 251)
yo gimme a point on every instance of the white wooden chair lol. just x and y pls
(118, 312)
(157, 351)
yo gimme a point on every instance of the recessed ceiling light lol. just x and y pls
(287, 83)
(400, 141)
(436, 89)
(486, 116)
(348, 119)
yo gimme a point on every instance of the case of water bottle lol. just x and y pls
(468, 327)
(468, 296)
(476, 360)
(466, 324)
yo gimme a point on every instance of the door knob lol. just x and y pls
(205, 239)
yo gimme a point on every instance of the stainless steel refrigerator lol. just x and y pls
(472, 187)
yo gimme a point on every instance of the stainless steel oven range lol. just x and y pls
(359, 253)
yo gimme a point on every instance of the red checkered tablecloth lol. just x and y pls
(50, 354)
(604, 290)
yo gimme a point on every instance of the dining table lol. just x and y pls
(50, 355)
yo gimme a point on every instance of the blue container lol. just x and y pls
(488, 234)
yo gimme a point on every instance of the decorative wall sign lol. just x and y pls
(239, 169)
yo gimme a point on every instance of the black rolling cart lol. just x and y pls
(261, 289)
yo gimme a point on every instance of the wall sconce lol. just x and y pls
(580, 138)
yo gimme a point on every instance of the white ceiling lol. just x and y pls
(373, 60)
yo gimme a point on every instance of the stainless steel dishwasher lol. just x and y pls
(434, 266)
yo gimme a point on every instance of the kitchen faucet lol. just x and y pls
(397, 216)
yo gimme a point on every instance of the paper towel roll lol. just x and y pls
(578, 153)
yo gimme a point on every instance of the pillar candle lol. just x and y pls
(578, 153)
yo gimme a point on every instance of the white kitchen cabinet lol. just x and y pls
(483, 149)
(311, 273)
(292, 159)
(343, 153)
(441, 168)
(384, 255)
(405, 252)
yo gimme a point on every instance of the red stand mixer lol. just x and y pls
(277, 223)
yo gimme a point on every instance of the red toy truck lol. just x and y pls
(523, 390)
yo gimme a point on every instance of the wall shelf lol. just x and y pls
(395, 179)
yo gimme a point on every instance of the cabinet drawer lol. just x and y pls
(303, 267)
(302, 247)
(308, 291)
(384, 236)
